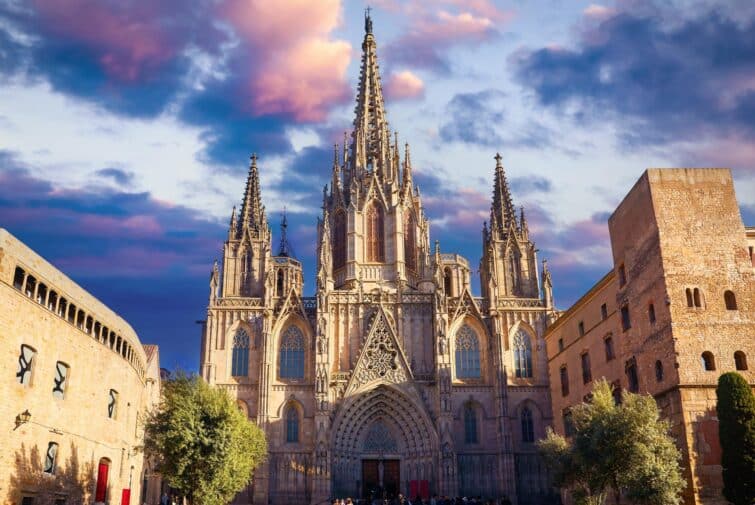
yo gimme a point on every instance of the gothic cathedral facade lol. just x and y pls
(394, 377)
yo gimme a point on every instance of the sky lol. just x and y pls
(126, 126)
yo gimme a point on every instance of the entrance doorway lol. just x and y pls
(381, 478)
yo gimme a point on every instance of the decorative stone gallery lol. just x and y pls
(393, 377)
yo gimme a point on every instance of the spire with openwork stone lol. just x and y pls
(370, 139)
(502, 213)
(252, 215)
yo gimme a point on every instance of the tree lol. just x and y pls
(205, 447)
(736, 429)
(622, 449)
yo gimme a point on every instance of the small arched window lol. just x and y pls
(410, 245)
(279, 283)
(292, 424)
(240, 354)
(470, 424)
(740, 360)
(467, 353)
(708, 361)
(698, 297)
(375, 233)
(528, 427)
(292, 354)
(522, 354)
(730, 300)
(339, 240)
(25, 364)
(659, 371)
(51, 457)
(690, 302)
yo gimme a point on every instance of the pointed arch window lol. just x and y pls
(447, 281)
(528, 427)
(339, 240)
(467, 353)
(240, 354)
(522, 354)
(292, 354)
(292, 424)
(375, 233)
(470, 424)
(279, 283)
(410, 245)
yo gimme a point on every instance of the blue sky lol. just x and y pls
(125, 127)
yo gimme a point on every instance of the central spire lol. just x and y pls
(370, 139)
(502, 213)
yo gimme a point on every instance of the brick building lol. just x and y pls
(76, 385)
(676, 311)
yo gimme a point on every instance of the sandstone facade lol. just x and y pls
(677, 310)
(85, 380)
(393, 377)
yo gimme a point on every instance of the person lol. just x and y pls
(164, 498)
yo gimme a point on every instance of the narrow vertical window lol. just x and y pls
(608, 343)
(560, 344)
(581, 328)
(470, 424)
(31, 286)
(626, 323)
(688, 293)
(697, 296)
(60, 382)
(112, 404)
(18, 278)
(50, 457)
(292, 354)
(467, 353)
(659, 371)
(339, 240)
(564, 375)
(279, 283)
(730, 300)
(447, 281)
(410, 248)
(603, 312)
(740, 360)
(522, 354)
(651, 313)
(375, 233)
(630, 367)
(528, 427)
(568, 422)
(292, 424)
(586, 371)
(240, 354)
(25, 363)
(622, 275)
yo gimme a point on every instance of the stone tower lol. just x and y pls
(394, 377)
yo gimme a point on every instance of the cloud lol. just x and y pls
(474, 118)
(661, 81)
(530, 184)
(432, 33)
(404, 85)
(121, 177)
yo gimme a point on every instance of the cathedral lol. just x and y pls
(393, 378)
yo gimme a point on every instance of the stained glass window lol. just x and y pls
(522, 354)
(292, 354)
(240, 354)
(467, 353)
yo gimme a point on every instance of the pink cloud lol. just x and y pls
(404, 85)
(299, 69)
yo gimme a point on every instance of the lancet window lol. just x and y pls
(467, 353)
(292, 424)
(339, 240)
(470, 424)
(528, 426)
(410, 244)
(240, 354)
(522, 354)
(375, 234)
(292, 354)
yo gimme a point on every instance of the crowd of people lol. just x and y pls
(434, 500)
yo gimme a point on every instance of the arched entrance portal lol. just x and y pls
(383, 442)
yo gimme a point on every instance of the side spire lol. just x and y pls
(252, 216)
(502, 213)
(284, 249)
(370, 140)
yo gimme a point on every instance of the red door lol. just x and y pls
(101, 482)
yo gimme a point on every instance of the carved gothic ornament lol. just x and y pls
(527, 303)
(381, 358)
(238, 302)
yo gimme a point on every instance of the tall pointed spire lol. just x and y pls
(406, 182)
(284, 249)
(252, 216)
(370, 139)
(502, 213)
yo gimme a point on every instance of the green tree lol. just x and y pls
(622, 449)
(736, 429)
(204, 445)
